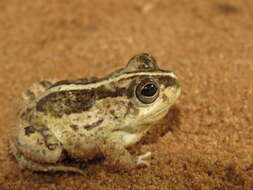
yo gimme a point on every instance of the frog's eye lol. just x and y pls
(147, 91)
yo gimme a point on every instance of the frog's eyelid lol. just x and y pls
(142, 61)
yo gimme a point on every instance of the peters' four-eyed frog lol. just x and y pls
(92, 117)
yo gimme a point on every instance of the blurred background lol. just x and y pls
(208, 44)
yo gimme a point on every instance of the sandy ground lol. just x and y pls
(207, 141)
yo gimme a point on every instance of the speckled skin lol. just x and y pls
(91, 117)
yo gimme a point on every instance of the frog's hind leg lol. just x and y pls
(38, 149)
(35, 91)
(34, 166)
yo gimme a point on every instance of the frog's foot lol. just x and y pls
(26, 163)
(141, 160)
(120, 158)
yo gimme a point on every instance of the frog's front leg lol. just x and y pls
(119, 157)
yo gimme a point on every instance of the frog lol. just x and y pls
(87, 118)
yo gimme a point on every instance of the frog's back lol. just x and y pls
(38, 90)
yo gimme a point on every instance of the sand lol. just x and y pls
(207, 139)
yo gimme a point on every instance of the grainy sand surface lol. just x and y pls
(207, 139)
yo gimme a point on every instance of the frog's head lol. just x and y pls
(151, 90)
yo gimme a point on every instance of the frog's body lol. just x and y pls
(90, 117)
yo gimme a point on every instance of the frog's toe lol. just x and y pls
(141, 160)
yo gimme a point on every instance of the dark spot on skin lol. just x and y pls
(28, 110)
(30, 94)
(167, 81)
(93, 125)
(25, 114)
(164, 97)
(39, 142)
(112, 112)
(226, 8)
(131, 109)
(45, 83)
(29, 130)
(74, 127)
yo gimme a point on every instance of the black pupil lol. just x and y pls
(149, 90)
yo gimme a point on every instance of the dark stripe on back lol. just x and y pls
(75, 101)
(82, 81)
(93, 125)
(167, 81)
